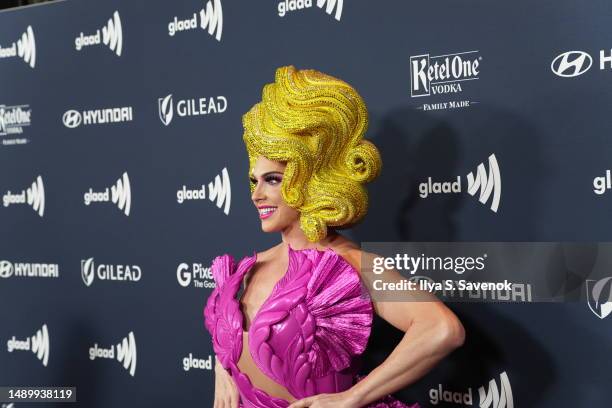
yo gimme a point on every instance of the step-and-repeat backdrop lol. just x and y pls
(123, 173)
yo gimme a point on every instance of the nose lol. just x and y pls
(258, 193)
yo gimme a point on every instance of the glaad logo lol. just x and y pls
(189, 107)
(28, 270)
(200, 363)
(330, 5)
(25, 48)
(37, 344)
(200, 276)
(122, 273)
(12, 121)
(34, 196)
(126, 353)
(441, 74)
(491, 398)
(219, 190)
(73, 118)
(599, 296)
(112, 36)
(211, 19)
(489, 184)
(603, 183)
(120, 194)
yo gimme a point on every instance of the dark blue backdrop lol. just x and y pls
(546, 120)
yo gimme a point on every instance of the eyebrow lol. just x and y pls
(268, 173)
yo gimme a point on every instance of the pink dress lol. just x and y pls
(305, 335)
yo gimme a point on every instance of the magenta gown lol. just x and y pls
(305, 336)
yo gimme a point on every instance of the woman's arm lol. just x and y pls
(431, 329)
(226, 393)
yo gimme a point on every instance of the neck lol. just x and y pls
(294, 236)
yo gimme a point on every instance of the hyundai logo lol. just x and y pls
(571, 64)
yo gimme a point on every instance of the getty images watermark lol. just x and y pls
(489, 272)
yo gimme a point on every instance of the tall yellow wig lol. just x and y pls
(315, 123)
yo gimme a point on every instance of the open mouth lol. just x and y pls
(266, 212)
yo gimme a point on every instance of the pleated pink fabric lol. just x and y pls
(306, 335)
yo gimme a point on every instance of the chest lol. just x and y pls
(257, 286)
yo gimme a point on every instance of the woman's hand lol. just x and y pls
(339, 400)
(226, 393)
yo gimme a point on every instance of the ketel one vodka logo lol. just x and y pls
(24, 48)
(219, 191)
(493, 397)
(332, 7)
(37, 344)
(105, 272)
(442, 74)
(210, 19)
(599, 296)
(125, 353)
(120, 194)
(14, 118)
(189, 107)
(489, 184)
(34, 196)
(112, 36)
(197, 273)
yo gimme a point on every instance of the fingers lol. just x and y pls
(302, 403)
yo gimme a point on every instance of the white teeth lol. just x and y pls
(264, 211)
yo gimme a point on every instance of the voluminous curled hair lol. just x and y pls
(315, 123)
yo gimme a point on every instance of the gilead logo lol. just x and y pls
(190, 107)
(125, 353)
(599, 296)
(34, 196)
(112, 36)
(211, 20)
(120, 194)
(107, 272)
(37, 344)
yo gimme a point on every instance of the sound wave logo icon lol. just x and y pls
(496, 398)
(166, 109)
(36, 196)
(40, 344)
(330, 5)
(126, 353)
(121, 194)
(221, 191)
(87, 271)
(26, 47)
(112, 34)
(599, 296)
(487, 183)
(211, 18)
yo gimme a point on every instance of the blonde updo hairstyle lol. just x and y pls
(315, 123)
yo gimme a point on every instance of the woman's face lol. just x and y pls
(274, 214)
